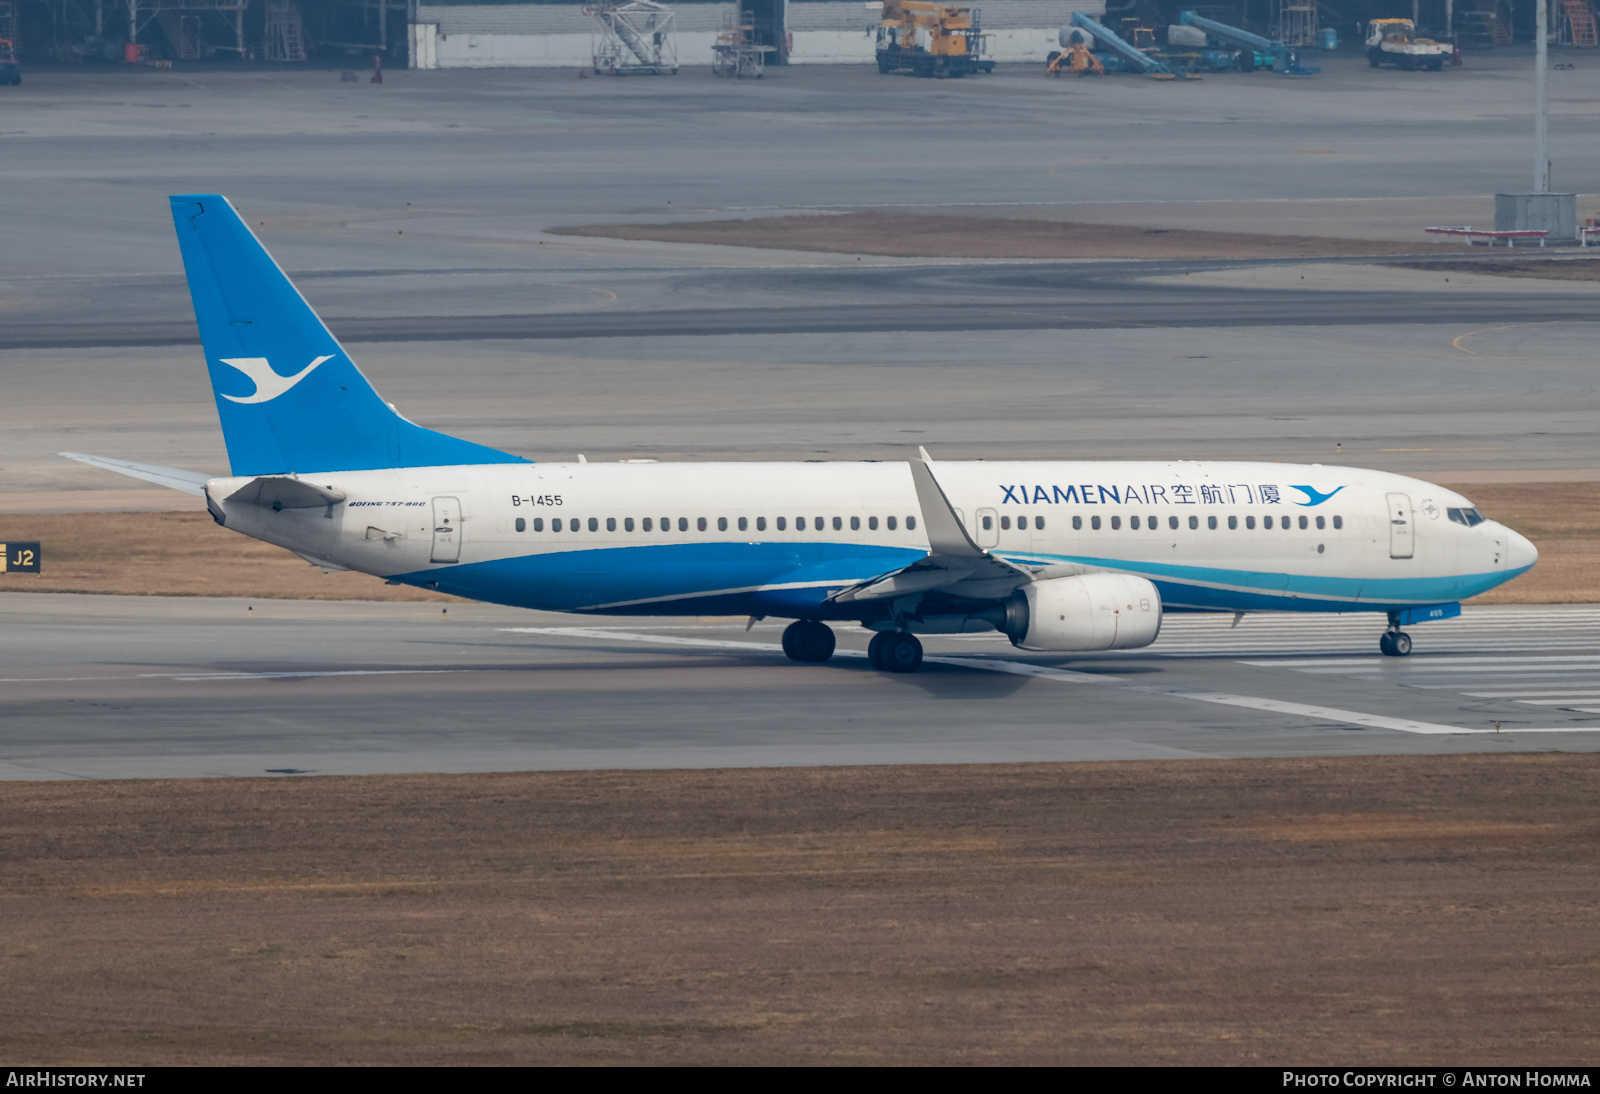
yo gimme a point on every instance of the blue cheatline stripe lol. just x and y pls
(792, 579)
(673, 578)
(1257, 590)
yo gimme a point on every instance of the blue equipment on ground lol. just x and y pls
(1135, 59)
(1285, 59)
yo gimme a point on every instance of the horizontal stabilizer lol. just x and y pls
(190, 482)
(281, 492)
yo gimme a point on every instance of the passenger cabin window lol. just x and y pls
(627, 524)
(1322, 522)
(538, 524)
(1233, 523)
(872, 524)
(1005, 523)
(1211, 523)
(1077, 524)
(889, 523)
(1338, 522)
(744, 524)
(781, 522)
(1094, 523)
(799, 524)
(647, 524)
(700, 524)
(522, 525)
(838, 524)
(1038, 523)
(1116, 523)
(911, 523)
(555, 525)
(683, 524)
(1266, 522)
(1022, 522)
(594, 524)
(1250, 522)
(1172, 522)
(1133, 522)
(761, 524)
(1303, 524)
(821, 524)
(855, 524)
(611, 524)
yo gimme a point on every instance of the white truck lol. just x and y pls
(1394, 42)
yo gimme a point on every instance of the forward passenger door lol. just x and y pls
(1400, 545)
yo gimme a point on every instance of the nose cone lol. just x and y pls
(1520, 553)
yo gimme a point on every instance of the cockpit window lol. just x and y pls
(1469, 517)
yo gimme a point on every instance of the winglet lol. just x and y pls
(946, 536)
(923, 452)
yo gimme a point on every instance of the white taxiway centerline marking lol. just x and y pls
(192, 677)
(1590, 692)
(1066, 676)
(1430, 662)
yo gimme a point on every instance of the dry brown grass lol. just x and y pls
(175, 554)
(1359, 910)
(186, 554)
(930, 235)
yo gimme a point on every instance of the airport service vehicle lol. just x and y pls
(1058, 556)
(10, 70)
(1394, 42)
(930, 39)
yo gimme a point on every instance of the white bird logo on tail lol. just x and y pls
(269, 385)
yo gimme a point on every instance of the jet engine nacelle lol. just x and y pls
(1087, 612)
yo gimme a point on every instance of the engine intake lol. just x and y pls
(1087, 612)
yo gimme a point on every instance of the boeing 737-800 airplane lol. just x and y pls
(1059, 556)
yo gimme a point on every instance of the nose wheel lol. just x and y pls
(808, 641)
(895, 651)
(1395, 644)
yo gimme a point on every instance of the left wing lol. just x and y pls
(954, 563)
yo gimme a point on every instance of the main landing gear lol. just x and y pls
(809, 641)
(1395, 642)
(895, 651)
(889, 651)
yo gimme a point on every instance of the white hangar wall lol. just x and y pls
(826, 32)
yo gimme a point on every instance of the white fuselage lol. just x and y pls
(776, 538)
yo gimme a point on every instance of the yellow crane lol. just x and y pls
(930, 39)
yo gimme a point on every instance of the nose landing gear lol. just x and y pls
(808, 641)
(895, 651)
(1395, 642)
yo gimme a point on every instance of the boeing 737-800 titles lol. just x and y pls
(1058, 556)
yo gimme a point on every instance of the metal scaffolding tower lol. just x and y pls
(636, 39)
(1296, 22)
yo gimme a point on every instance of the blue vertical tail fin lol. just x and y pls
(289, 397)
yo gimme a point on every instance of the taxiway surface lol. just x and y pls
(123, 687)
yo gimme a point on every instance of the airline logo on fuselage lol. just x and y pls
(269, 385)
(1314, 496)
(1206, 493)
